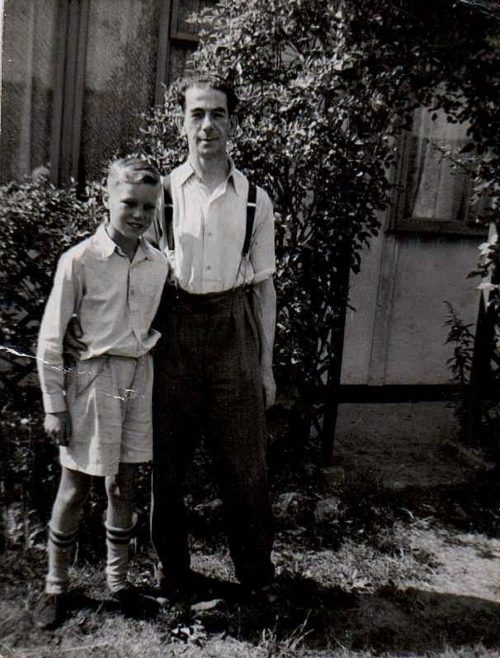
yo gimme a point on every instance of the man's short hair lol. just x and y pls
(208, 81)
(133, 170)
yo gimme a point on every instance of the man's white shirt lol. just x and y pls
(209, 232)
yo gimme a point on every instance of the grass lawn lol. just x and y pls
(363, 571)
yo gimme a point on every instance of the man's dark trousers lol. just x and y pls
(208, 380)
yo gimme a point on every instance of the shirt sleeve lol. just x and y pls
(60, 308)
(262, 255)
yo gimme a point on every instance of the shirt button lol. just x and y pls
(210, 234)
(209, 267)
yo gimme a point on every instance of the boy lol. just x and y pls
(99, 410)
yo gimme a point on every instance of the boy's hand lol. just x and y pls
(58, 427)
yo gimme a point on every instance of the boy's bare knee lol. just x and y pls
(73, 492)
(119, 489)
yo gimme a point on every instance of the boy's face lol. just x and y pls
(206, 121)
(131, 206)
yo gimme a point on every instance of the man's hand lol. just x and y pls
(269, 386)
(58, 427)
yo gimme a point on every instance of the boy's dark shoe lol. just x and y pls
(51, 611)
(136, 604)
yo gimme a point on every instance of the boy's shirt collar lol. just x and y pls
(106, 246)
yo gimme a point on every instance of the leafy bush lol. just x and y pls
(37, 223)
(327, 87)
(475, 367)
(461, 337)
(28, 473)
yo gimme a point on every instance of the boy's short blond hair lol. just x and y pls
(132, 170)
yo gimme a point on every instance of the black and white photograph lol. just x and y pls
(249, 329)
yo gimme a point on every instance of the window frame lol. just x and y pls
(401, 223)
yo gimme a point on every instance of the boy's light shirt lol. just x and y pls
(209, 231)
(114, 299)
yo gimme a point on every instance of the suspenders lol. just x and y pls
(250, 219)
(169, 218)
(251, 206)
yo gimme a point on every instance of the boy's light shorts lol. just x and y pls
(109, 401)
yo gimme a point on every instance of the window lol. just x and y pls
(434, 189)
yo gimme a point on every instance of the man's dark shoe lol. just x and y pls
(175, 593)
(136, 604)
(51, 611)
(264, 595)
(174, 597)
(214, 614)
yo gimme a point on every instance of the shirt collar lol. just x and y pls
(184, 172)
(103, 242)
(147, 248)
(187, 170)
(106, 246)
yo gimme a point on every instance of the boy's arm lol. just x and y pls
(58, 312)
(156, 233)
(264, 298)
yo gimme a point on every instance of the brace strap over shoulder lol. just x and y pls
(169, 217)
(251, 206)
(250, 218)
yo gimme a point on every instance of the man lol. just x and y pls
(213, 368)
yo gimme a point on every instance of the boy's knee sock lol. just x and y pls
(60, 548)
(117, 544)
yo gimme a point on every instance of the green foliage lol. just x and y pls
(461, 337)
(37, 223)
(28, 473)
(326, 89)
(475, 367)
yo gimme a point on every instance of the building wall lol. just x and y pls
(396, 334)
(77, 74)
(119, 80)
(28, 63)
(426, 248)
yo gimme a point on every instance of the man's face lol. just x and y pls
(206, 121)
(131, 206)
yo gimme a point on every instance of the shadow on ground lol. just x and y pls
(388, 619)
